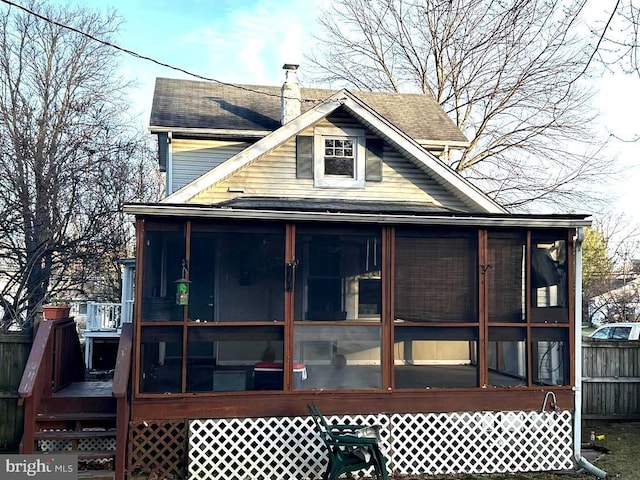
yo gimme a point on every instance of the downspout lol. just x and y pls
(577, 397)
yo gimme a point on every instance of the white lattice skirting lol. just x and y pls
(288, 448)
(84, 444)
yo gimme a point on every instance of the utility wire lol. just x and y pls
(138, 55)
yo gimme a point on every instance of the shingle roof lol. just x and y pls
(189, 104)
(335, 206)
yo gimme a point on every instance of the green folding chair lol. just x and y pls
(349, 447)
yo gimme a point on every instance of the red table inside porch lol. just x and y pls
(269, 375)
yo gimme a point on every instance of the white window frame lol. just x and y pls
(359, 152)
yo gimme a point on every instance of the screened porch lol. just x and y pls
(235, 306)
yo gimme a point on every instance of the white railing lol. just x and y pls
(103, 316)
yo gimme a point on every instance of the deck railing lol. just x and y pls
(121, 381)
(68, 362)
(46, 370)
(104, 316)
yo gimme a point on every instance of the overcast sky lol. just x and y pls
(248, 41)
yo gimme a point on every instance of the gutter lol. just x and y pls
(463, 219)
(579, 460)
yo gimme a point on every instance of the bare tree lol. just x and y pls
(616, 31)
(611, 280)
(67, 160)
(508, 74)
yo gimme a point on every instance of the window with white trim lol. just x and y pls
(339, 157)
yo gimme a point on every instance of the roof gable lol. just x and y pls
(444, 175)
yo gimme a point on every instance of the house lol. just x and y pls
(102, 322)
(313, 246)
(620, 304)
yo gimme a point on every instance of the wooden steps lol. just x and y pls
(73, 434)
(80, 420)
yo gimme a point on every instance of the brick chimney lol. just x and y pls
(290, 98)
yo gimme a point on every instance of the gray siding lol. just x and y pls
(193, 158)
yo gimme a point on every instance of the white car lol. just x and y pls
(617, 331)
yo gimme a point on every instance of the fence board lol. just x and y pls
(611, 379)
(14, 352)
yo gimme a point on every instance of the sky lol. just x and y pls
(248, 41)
(235, 41)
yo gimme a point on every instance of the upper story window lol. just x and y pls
(339, 157)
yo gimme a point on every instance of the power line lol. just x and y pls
(136, 54)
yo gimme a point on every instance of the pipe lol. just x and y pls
(554, 403)
(589, 467)
(579, 460)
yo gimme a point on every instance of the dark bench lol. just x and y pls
(349, 447)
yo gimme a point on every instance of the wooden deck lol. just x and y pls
(86, 389)
(90, 418)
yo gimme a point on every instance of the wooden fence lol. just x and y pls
(14, 352)
(610, 379)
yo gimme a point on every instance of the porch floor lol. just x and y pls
(86, 389)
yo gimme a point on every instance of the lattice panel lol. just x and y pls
(159, 447)
(54, 445)
(288, 448)
(102, 444)
(259, 448)
(84, 444)
(481, 442)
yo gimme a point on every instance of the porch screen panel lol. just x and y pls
(436, 276)
(551, 353)
(161, 359)
(233, 358)
(164, 258)
(507, 356)
(236, 273)
(332, 357)
(435, 357)
(338, 308)
(505, 276)
(549, 277)
(338, 274)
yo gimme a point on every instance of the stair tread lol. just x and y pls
(96, 474)
(76, 416)
(72, 434)
(85, 454)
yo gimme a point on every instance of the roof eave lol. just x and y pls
(460, 220)
(221, 132)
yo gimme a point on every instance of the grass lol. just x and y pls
(622, 440)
